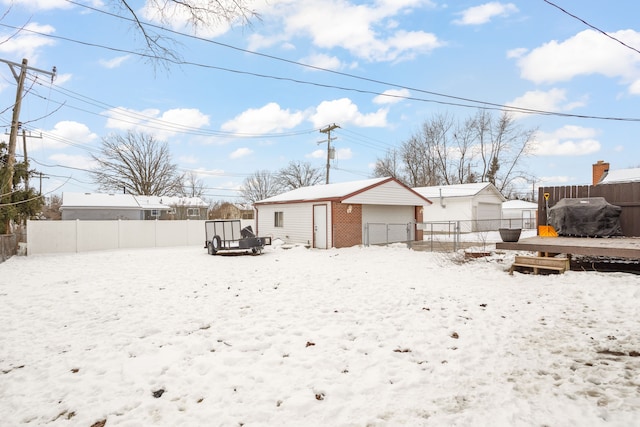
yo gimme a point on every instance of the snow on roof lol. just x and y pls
(123, 201)
(164, 202)
(324, 191)
(126, 201)
(621, 175)
(519, 204)
(455, 190)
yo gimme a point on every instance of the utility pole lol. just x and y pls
(330, 156)
(24, 151)
(7, 186)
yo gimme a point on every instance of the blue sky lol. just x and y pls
(228, 112)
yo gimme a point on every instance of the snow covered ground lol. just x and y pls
(377, 336)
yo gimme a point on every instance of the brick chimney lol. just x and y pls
(600, 168)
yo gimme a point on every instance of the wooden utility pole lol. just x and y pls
(328, 130)
(7, 186)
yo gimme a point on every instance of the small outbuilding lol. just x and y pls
(477, 206)
(519, 214)
(373, 211)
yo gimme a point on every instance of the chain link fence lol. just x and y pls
(443, 236)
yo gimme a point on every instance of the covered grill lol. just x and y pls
(586, 217)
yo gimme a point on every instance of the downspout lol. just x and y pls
(442, 200)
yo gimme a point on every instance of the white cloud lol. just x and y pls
(270, 118)
(39, 4)
(323, 61)
(517, 52)
(343, 111)
(551, 100)
(482, 14)
(317, 154)
(181, 19)
(367, 31)
(188, 159)
(240, 152)
(586, 53)
(26, 44)
(153, 121)
(64, 134)
(344, 154)
(392, 96)
(566, 141)
(114, 62)
(74, 161)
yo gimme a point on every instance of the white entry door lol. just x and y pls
(320, 226)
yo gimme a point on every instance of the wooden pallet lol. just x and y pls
(539, 264)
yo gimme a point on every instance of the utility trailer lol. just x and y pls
(228, 235)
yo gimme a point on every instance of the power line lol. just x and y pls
(478, 104)
(591, 26)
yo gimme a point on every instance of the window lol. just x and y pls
(155, 213)
(278, 219)
(193, 212)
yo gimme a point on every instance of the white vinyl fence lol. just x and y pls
(45, 237)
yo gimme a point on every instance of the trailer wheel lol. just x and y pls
(216, 244)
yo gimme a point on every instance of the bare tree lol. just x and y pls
(200, 14)
(193, 186)
(389, 166)
(501, 146)
(259, 186)
(298, 174)
(136, 163)
(446, 151)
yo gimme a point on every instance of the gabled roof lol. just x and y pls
(98, 200)
(457, 190)
(621, 175)
(337, 192)
(126, 201)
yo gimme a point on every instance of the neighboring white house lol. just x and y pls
(99, 206)
(477, 206)
(340, 215)
(618, 176)
(519, 214)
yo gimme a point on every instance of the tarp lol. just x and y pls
(586, 217)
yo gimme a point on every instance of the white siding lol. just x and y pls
(298, 222)
(387, 223)
(455, 209)
(389, 193)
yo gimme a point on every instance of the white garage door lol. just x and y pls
(488, 216)
(387, 224)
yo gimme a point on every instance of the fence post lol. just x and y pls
(366, 234)
(431, 226)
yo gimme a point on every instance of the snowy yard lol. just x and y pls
(377, 336)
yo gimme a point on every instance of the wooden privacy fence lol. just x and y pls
(626, 195)
(8, 246)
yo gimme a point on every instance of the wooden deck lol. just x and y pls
(615, 247)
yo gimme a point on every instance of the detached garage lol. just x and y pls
(372, 211)
(478, 206)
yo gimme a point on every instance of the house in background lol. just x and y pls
(372, 211)
(519, 214)
(227, 210)
(602, 174)
(99, 206)
(478, 206)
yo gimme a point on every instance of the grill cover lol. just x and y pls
(586, 217)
